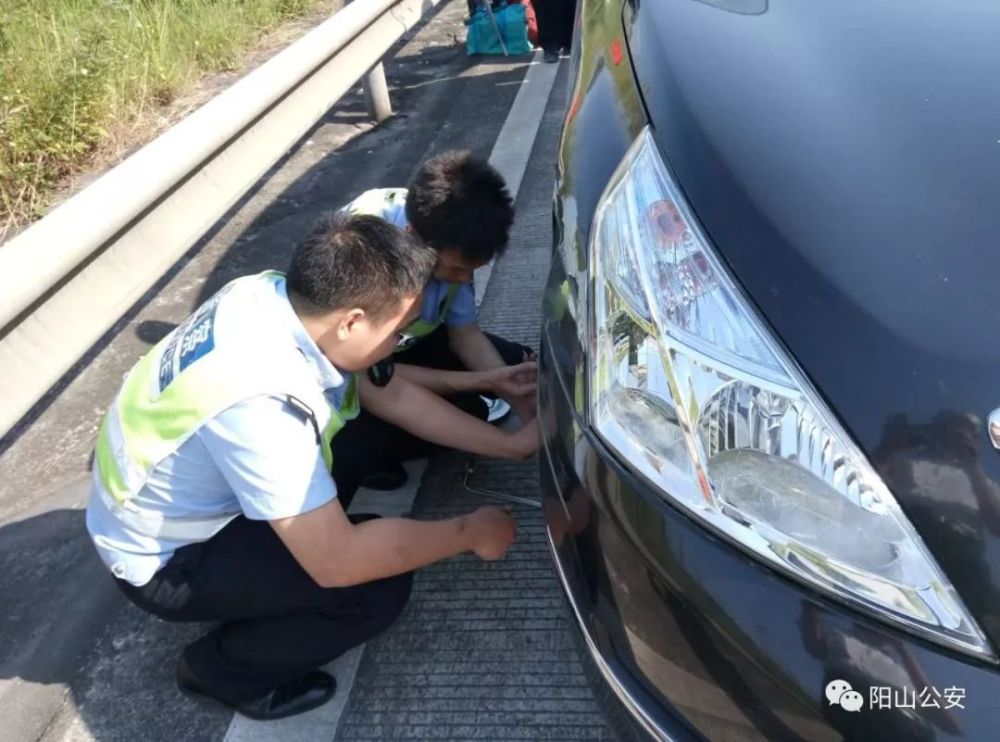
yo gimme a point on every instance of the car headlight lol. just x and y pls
(692, 391)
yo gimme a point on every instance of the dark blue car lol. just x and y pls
(770, 364)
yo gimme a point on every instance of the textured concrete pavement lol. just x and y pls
(484, 650)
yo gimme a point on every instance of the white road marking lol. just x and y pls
(318, 724)
(517, 137)
(322, 723)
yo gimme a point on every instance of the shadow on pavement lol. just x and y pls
(70, 643)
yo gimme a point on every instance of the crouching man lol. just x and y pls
(212, 495)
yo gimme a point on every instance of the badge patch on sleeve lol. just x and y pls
(193, 339)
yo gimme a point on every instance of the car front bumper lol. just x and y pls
(698, 639)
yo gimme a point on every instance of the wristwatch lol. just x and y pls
(381, 373)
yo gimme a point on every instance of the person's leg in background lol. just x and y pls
(278, 626)
(555, 26)
(548, 24)
(365, 455)
(568, 8)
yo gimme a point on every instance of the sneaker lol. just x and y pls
(551, 56)
(496, 409)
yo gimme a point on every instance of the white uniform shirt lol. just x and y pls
(259, 457)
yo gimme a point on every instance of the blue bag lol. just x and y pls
(482, 35)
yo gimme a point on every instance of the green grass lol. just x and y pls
(79, 75)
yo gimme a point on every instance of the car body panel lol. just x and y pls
(844, 157)
(713, 636)
(719, 642)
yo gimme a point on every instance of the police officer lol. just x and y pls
(212, 497)
(458, 204)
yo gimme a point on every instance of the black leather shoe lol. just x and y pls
(391, 478)
(294, 697)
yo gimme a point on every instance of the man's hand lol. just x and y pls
(338, 553)
(525, 407)
(524, 442)
(491, 532)
(512, 382)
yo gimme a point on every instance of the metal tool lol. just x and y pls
(470, 469)
(487, 5)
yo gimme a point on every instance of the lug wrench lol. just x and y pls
(470, 469)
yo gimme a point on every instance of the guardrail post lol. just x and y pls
(377, 94)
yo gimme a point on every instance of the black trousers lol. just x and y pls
(434, 351)
(276, 623)
(555, 22)
(369, 444)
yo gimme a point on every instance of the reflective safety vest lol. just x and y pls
(421, 328)
(386, 203)
(194, 374)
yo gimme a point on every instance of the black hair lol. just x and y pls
(359, 261)
(459, 201)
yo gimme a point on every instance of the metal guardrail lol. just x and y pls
(68, 278)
